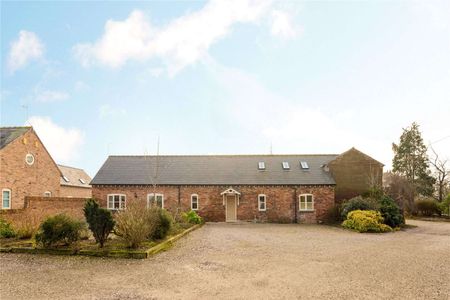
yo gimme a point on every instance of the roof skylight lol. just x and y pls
(261, 165)
(304, 165)
(82, 181)
(66, 179)
(285, 165)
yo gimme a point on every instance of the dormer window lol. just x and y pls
(285, 165)
(304, 165)
(82, 181)
(261, 165)
(66, 179)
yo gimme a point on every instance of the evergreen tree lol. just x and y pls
(100, 221)
(411, 160)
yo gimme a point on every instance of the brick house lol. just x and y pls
(74, 182)
(267, 188)
(27, 168)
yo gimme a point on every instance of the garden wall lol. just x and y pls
(38, 208)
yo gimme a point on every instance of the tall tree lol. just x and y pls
(411, 160)
(442, 173)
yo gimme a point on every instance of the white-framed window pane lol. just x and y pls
(261, 202)
(122, 202)
(6, 199)
(159, 201)
(110, 202)
(194, 202)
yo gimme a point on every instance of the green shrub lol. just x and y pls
(192, 217)
(365, 221)
(427, 206)
(390, 212)
(59, 229)
(333, 215)
(358, 203)
(6, 230)
(164, 223)
(137, 223)
(444, 206)
(100, 221)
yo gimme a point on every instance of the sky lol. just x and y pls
(225, 77)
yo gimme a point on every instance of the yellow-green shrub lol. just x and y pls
(365, 221)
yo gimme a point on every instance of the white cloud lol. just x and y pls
(181, 42)
(62, 143)
(106, 111)
(27, 47)
(46, 96)
(282, 25)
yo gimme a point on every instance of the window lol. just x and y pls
(285, 165)
(29, 159)
(261, 165)
(82, 181)
(306, 202)
(194, 202)
(6, 199)
(47, 194)
(66, 179)
(304, 165)
(155, 199)
(261, 202)
(116, 201)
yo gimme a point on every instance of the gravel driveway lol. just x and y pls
(239, 261)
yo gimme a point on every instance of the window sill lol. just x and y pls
(307, 210)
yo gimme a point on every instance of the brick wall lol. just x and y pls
(281, 201)
(23, 179)
(73, 191)
(39, 208)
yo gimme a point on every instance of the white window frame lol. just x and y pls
(261, 165)
(155, 195)
(47, 194)
(285, 165)
(306, 202)
(304, 165)
(82, 181)
(10, 193)
(65, 178)
(26, 159)
(259, 202)
(192, 202)
(121, 207)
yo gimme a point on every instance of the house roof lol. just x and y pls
(9, 134)
(73, 175)
(214, 170)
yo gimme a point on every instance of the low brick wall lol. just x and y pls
(38, 208)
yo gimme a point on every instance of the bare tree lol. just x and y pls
(442, 174)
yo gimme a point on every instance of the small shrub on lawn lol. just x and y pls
(163, 225)
(192, 217)
(390, 212)
(427, 206)
(358, 203)
(100, 221)
(6, 230)
(365, 221)
(136, 224)
(59, 229)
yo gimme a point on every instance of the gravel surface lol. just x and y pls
(241, 261)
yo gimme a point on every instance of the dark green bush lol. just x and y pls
(358, 203)
(100, 221)
(427, 206)
(390, 212)
(192, 217)
(59, 229)
(163, 224)
(6, 230)
(444, 206)
(333, 215)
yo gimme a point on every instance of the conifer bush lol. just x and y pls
(100, 221)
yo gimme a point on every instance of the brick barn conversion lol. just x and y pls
(27, 169)
(266, 188)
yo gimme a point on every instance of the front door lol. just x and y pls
(231, 209)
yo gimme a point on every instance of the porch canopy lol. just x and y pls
(230, 192)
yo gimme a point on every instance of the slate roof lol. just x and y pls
(9, 134)
(214, 170)
(74, 175)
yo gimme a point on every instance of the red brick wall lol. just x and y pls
(281, 201)
(39, 208)
(77, 192)
(23, 179)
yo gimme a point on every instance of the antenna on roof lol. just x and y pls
(157, 147)
(25, 107)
